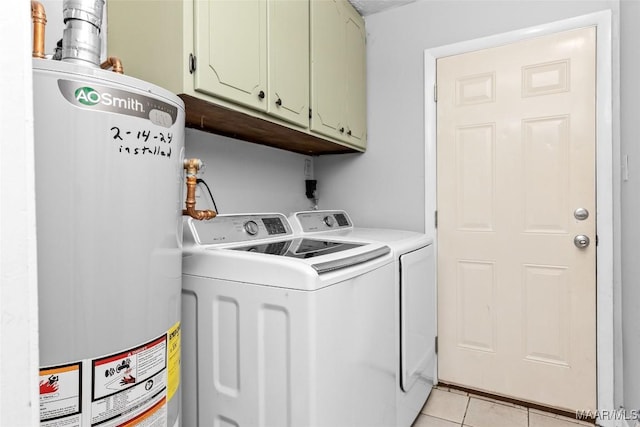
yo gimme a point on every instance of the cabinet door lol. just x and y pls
(230, 47)
(356, 79)
(327, 67)
(288, 63)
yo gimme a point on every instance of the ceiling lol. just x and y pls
(368, 7)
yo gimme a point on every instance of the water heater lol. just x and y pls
(109, 173)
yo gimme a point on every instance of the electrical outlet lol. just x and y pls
(308, 169)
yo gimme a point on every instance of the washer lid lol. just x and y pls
(304, 248)
(299, 248)
(337, 264)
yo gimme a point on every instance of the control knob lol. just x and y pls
(329, 220)
(251, 227)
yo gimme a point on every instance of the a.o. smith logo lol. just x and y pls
(87, 96)
(118, 101)
(90, 97)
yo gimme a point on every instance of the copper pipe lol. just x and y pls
(114, 63)
(192, 166)
(39, 20)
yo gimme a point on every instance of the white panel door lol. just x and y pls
(515, 159)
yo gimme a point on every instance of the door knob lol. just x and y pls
(581, 214)
(581, 241)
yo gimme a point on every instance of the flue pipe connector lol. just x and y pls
(192, 166)
(114, 63)
(81, 36)
(39, 19)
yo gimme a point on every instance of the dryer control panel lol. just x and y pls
(312, 221)
(239, 228)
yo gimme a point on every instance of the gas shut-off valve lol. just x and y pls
(192, 166)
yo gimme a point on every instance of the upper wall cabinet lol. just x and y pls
(288, 65)
(255, 53)
(356, 78)
(338, 72)
(242, 67)
(231, 50)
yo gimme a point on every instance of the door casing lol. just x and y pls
(607, 179)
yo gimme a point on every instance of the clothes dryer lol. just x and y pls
(280, 330)
(414, 296)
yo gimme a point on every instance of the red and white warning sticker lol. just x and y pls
(60, 395)
(130, 384)
(129, 388)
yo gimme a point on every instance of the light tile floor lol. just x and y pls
(454, 408)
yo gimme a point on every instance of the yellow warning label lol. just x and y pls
(173, 360)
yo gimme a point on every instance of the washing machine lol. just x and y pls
(414, 296)
(284, 330)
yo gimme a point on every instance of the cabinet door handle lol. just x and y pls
(349, 132)
(341, 130)
(279, 102)
(261, 94)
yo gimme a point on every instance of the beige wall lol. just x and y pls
(246, 177)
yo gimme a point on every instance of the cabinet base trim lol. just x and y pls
(208, 117)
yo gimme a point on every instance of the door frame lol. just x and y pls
(607, 179)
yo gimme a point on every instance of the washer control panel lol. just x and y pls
(329, 220)
(239, 228)
(251, 227)
(312, 221)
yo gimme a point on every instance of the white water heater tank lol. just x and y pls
(109, 164)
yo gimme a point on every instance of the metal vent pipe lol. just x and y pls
(81, 36)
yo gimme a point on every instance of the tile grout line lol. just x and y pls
(466, 409)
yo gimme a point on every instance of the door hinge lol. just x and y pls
(435, 219)
(435, 93)
(436, 340)
(309, 113)
(597, 240)
(192, 63)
